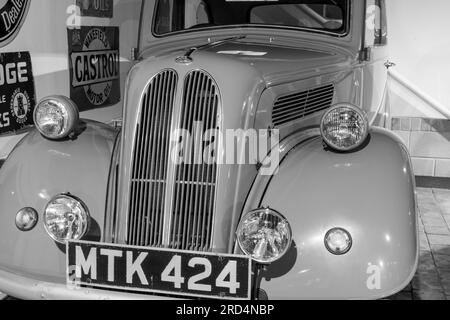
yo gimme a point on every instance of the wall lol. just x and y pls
(44, 35)
(420, 46)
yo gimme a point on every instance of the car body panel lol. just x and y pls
(39, 169)
(318, 190)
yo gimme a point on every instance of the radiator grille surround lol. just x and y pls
(172, 205)
(296, 106)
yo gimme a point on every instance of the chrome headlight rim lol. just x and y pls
(87, 217)
(360, 112)
(72, 116)
(276, 214)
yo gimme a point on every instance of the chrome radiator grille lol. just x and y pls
(149, 176)
(172, 205)
(195, 180)
(299, 105)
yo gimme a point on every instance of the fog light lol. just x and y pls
(66, 218)
(265, 235)
(338, 241)
(26, 219)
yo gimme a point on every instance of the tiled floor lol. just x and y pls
(432, 281)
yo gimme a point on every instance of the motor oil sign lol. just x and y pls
(96, 8)
(94, 66)
(17, 95)
(12, 15)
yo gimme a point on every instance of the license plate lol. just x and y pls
(171, 272)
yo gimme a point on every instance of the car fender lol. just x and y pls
(39, 169)
(369, 192)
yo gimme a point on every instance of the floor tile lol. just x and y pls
(433, 222)
(441, 250)
(429, 295)
(439, 240)
(426, 207)
(424, 245)
(442, 261)
(437, 230)
(426, 280)
(441, 194)
(403, 296)
(445, 207)
(445, 281)
(426, 263)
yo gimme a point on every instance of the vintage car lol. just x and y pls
(251, 163)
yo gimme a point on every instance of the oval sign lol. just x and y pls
(12, 16)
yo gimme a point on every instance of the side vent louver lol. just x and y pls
(296, 106)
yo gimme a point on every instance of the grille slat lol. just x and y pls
(300, 105)
(149, 154)
(150, 161)
(200, 173)
(154, 163)
(211, 174)
(150, 125)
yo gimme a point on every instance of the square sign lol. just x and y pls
(94, 61)
(17, 93)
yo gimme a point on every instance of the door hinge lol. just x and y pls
(134, 54)
(365, 54)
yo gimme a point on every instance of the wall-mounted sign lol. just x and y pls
(96, 8)
(12, 16)
(94, 60)
(17, 95)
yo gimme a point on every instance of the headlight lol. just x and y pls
(344, 127)
(265, 235)
(66, 218)
(55, 117)
(338, 241)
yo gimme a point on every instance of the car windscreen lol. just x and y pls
(189, 15)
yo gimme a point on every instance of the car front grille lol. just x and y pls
(299, 105)
(188, 187)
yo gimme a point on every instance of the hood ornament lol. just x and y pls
(184, 60)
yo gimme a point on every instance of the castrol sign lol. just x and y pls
(95, 66)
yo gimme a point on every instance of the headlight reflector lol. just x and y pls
(66, 218)
(344, 127)
(55, 117)
(265, 235)
(338, 241)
